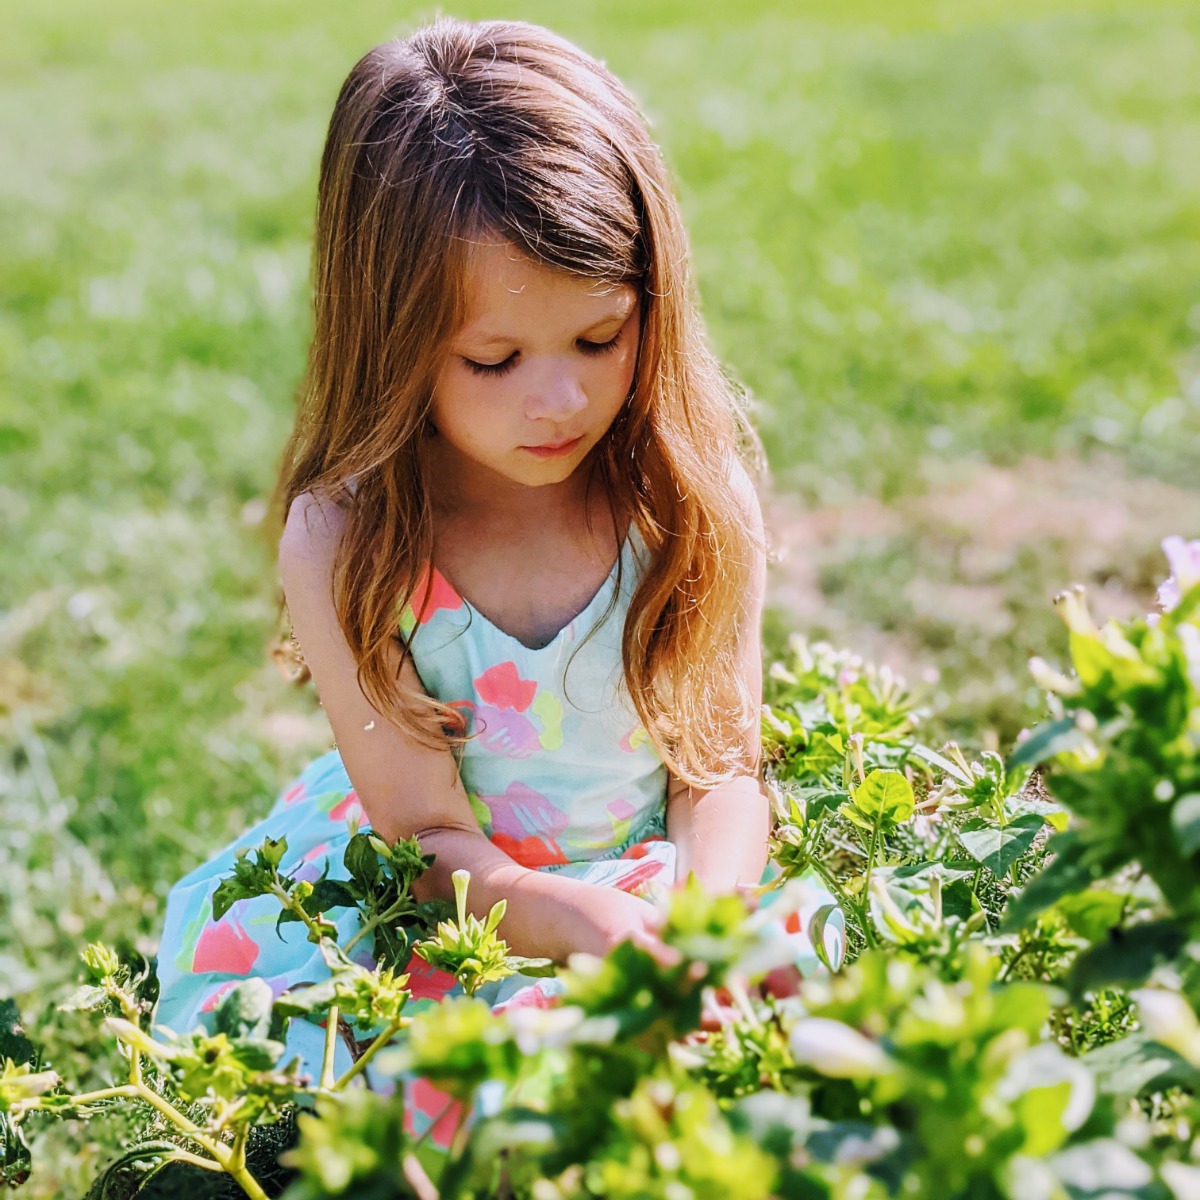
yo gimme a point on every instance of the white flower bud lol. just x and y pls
(1168, 1019)
(834, 1049)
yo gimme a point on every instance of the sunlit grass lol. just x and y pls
(926, 235)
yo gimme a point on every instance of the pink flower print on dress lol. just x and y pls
(427, 1105)
(531, 997)
(427, 982)
(294, 794)
(500, 719)
(525, 825)
(621, 813)
(340, 805)
(506, 733)
(349, 808)
(431, 594)
(641, 875)
(503, 686)
(226, 947)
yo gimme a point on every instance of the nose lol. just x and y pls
(558, 397)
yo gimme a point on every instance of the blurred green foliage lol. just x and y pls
(928, 235)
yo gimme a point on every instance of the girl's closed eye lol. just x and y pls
(502, 368)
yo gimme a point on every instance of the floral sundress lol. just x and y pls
(560, 774)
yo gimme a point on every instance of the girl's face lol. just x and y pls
(539, 369)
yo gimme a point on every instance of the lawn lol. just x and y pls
(951, 250)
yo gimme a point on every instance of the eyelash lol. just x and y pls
(502, 368)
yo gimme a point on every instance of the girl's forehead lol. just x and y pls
(503, 286)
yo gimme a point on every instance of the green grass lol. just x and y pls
(928, 236)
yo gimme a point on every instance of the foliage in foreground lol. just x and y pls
(1018, 1021)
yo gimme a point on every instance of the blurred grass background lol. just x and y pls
(952, 249)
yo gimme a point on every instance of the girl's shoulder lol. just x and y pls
(745, 487)
(312, 531)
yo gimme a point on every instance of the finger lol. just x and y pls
(663, 954)
(656, 918)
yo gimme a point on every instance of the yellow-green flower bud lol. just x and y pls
(100, 960)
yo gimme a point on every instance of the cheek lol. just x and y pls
(459, 407)
(626, 370)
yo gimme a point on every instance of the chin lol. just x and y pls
(551, 473)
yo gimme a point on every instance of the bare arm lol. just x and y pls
(721, 833)
(411, 790)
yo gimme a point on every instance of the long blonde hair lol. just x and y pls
(502, 129)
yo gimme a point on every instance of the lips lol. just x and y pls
(556, 445)
(554, 449)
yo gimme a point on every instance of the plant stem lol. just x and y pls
(223, 1156)
(1007, 969)
(237, 1152)
(331, 1030)
(847, 901)
(871, 851)
(195, 1160)
(294, 906)
(369, 1053)
(374, 922)
(436, 1120)
(126, 1089)
(168, 1110)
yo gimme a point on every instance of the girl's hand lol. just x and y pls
(612, 917)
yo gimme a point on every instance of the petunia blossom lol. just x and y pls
(1184, 558)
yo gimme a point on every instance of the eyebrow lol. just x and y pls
(484, 338)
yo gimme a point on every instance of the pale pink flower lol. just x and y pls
(1184, 558)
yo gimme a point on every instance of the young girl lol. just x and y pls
(522, 557)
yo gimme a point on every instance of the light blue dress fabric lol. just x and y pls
(560, 773)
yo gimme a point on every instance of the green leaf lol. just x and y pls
(925, 754)
(361, 860)
(1093, 913)
(1040, 1113)
(998, 847)
(245, 1011)
(539, 968)
(886, 793)
(1045, 743)
(958, 899)
(1103, 1168)
(1071, 871)
(1052, 813)
(250, 879)
(816, 799)
(1185, 823)
(1126, 957)
(824, 754)
(856, 817)
(326, 894)
(304, 1001)
(257, 1054)
(827, 932)
(15, 1159)
(129, 1174)
(1134, 1065)
(13, 1042)
(1109, 656)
